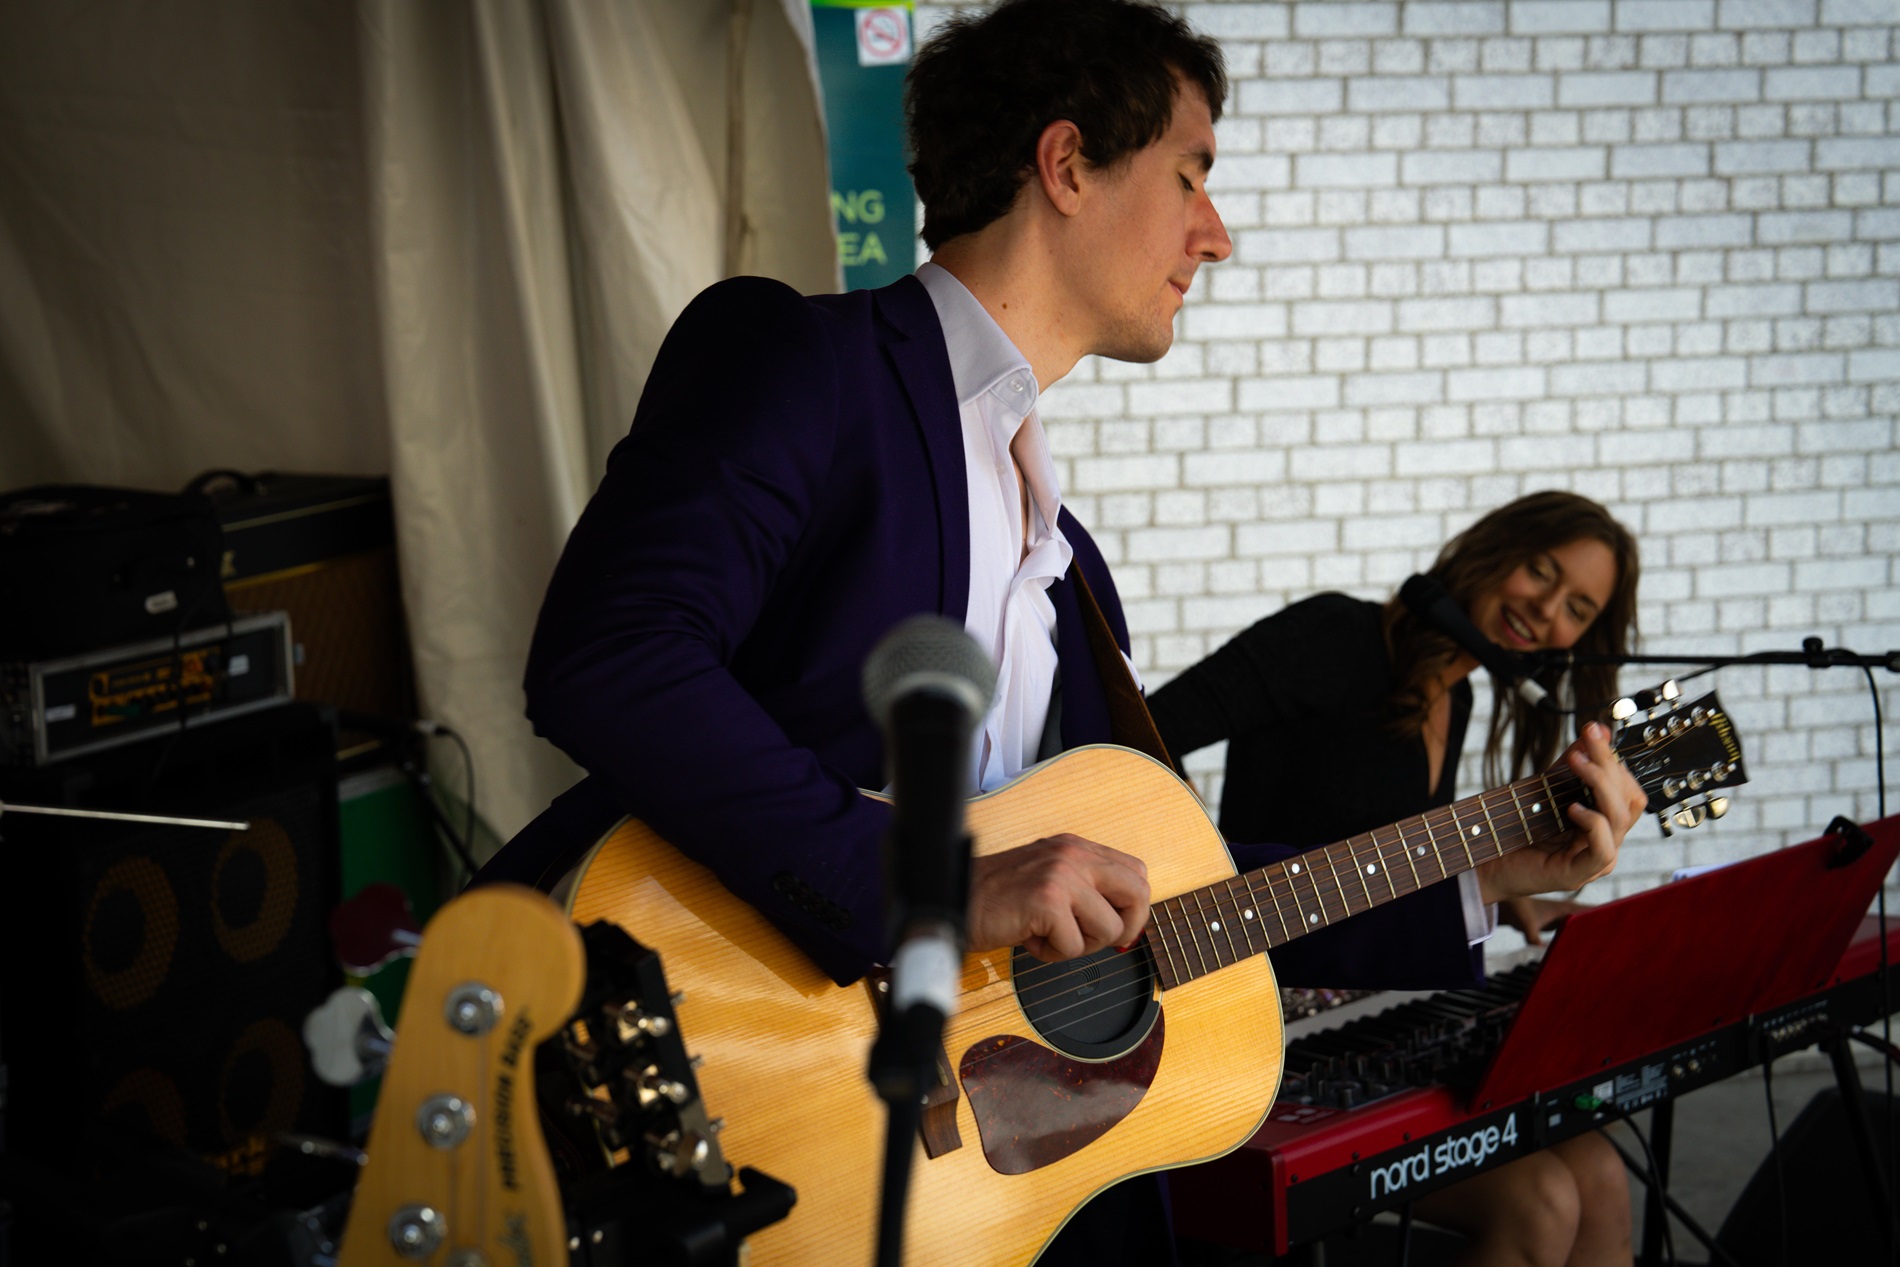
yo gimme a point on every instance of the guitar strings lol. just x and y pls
(1279, 886)
(1048, 979)
(1122, 983)
(1282, 884)
(1123, 974)
(1128, 976)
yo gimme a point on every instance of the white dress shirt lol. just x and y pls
(1005, 455)
(1005, 458)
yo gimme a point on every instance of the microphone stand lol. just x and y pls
(903, 1068)
(1812, 655)
(928, 878)
(929, 684)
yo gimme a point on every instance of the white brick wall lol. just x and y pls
(1645, 249)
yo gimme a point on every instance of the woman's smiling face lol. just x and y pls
(1549, 600)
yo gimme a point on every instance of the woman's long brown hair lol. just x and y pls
(1478, 559)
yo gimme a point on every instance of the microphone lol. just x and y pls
(929, 685)
(1432, 603)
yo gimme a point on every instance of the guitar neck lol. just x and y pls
(1197, 932)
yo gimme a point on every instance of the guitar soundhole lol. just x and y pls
(1096, 1007)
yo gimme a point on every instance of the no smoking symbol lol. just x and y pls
(883, 36)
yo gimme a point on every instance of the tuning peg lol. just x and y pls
(444, 1121)
(631, 1020)
(677, 1152)
(416, 1231)
(1670, 690)
(1718, 806)
(372, 928)
(1691, 815)
(1662, 821)
(348, 1041)
(654, 1083)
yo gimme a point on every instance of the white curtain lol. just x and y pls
(438, 241)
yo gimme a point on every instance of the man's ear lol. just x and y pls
(1060, 167)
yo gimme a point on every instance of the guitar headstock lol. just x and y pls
(636, 1083)
(1684, 753)
(456, 1163)
(647, 1178)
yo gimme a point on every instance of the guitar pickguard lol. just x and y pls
(1034, 1106)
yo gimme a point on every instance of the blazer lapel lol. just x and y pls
(914, 343)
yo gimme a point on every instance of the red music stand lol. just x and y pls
(1633, 976)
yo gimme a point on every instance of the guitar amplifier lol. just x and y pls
(84, 567)
(323, 549)
(52, 710)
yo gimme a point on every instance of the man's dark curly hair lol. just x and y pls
(985, 85)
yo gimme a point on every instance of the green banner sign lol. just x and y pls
(863, 51)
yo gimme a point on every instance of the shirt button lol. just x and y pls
(1016, 384)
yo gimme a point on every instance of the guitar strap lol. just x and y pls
(1129, 722)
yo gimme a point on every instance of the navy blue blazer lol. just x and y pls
(791, 488)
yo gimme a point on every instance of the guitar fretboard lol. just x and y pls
(1209, 928)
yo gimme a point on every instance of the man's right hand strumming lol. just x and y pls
(1058, 897)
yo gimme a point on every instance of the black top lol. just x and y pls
(1301, 698)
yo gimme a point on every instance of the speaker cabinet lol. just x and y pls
(156, 978)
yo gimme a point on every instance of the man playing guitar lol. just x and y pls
(803, 473)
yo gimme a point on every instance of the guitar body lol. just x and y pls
(1037, 1131)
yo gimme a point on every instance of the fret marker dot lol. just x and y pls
(1419, 850)
(1372, 868)
(1312, 919)
(1246, 915)
(1295, 868)
(1476, 830)
(1536, 806)
(1214, 927)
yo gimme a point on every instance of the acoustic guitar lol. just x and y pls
(1061, 1078)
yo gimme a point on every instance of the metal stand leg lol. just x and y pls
(1716, 1253)
(1662, 1125)
(1847, 1078)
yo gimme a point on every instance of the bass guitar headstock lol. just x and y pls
(1684, 753)
(456, 1163)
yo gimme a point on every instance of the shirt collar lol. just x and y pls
(982, 358)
